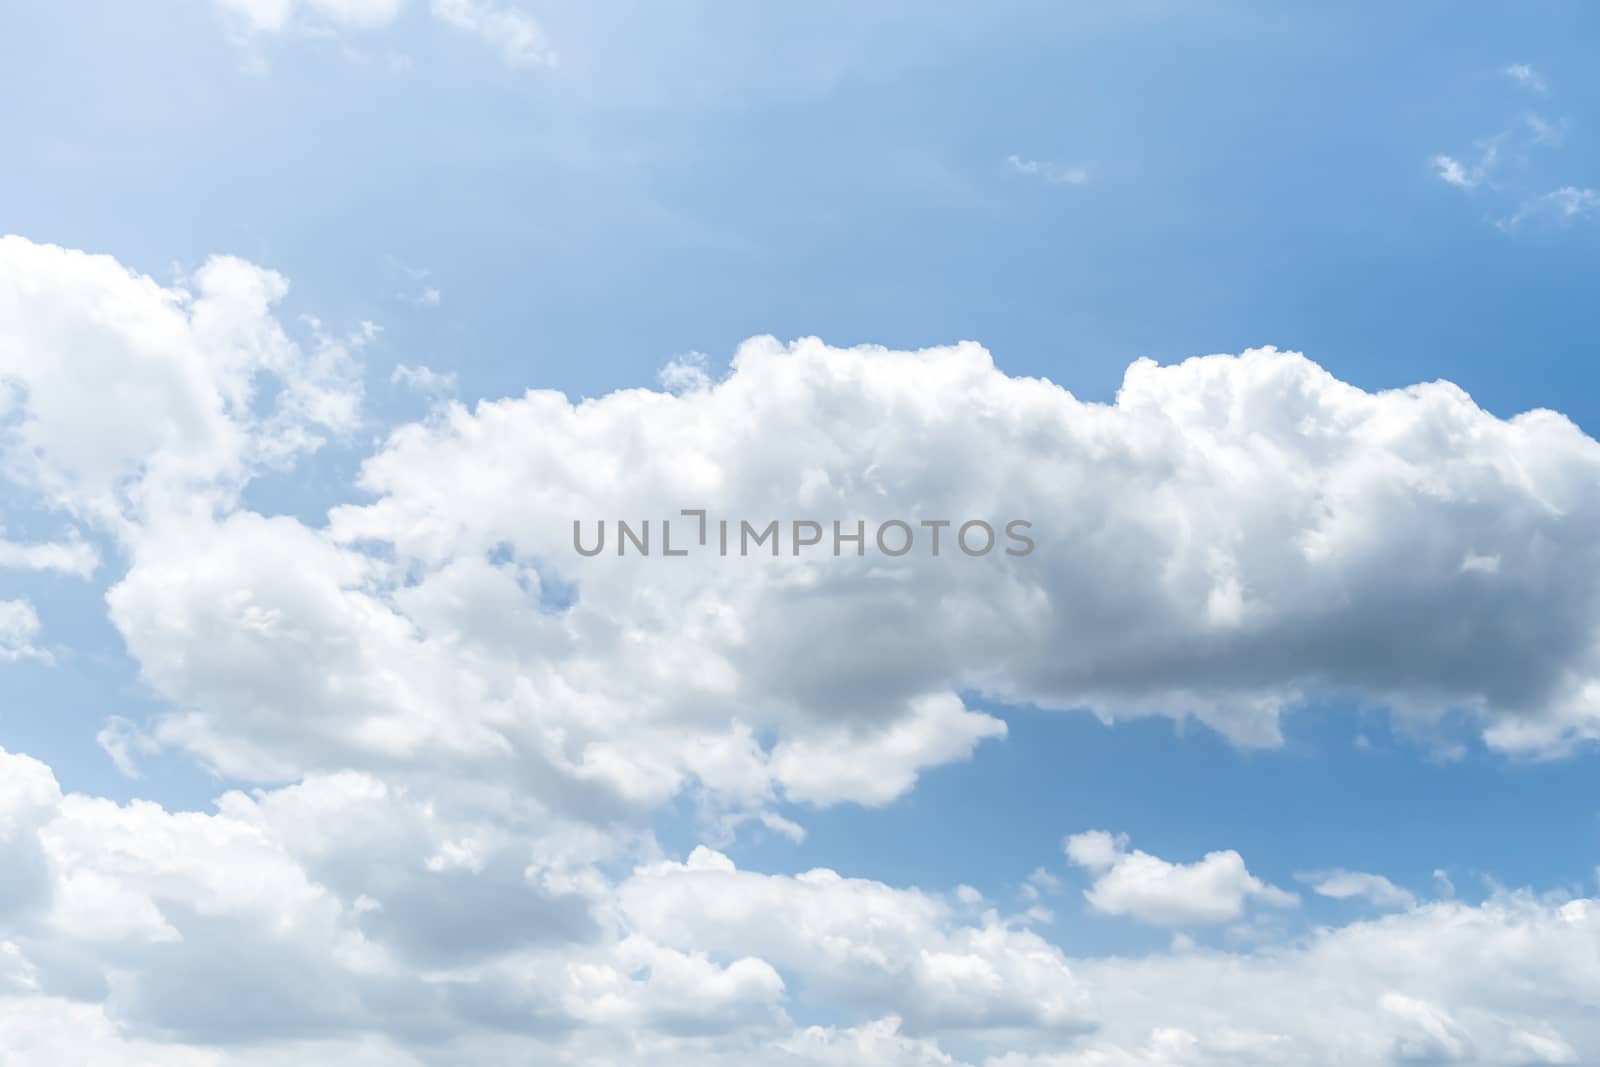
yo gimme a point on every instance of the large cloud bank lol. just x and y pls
(457, 727)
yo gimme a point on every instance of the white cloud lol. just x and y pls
(1563, 205)
(276, 16)
(19, 628)
(879, 1043)
(72, 556)
(1345, 885)
(886, 950)
(1290, 525)
(1055, 173)
(123, 742)
(310, 915)
(684, 373)
(1511, 980)
(876, 766)
(1453, 172)
(424, 380)
(411, 283)
(1504, 163)
(1428, 1034)
(1570, 200)
(514, 34)
(262, 16)
(1545, 131)
(1136, 884)
(1039, 884)
(468, 729)
(1525, 76)
(177, 415)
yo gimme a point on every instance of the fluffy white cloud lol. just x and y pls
(467, 726)
(335, 909)
(1136, 884)
(299, 924)
(879, 1042)
(127, 401)
(1230, 536)
(1507, 982)
(889, 950)
(875, 766)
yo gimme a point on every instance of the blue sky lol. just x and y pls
(1257, 175)
(1402, 193)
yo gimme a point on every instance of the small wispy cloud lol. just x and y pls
(1545, 131)
(277, 16)
(412, 283)
(514, 34)
(1056, 173)
(1525, 76)
(1569, 200)
(1040, 883)
(1570, 203)
(1503, 166)
(424, 380)
(1352, 885)
(1453, 172)
(19, 628)
(71, 556)
(124, 742)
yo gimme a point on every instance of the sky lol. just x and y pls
(322, 322)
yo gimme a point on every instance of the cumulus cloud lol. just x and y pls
(334, 909)
(1229, 537)
(1233, 535)
(879, 1042)
(1445, 980)
(461, 729)
(1215, 889)
(193, 389)
(893, 951)
(875, 766)
(304, 922)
